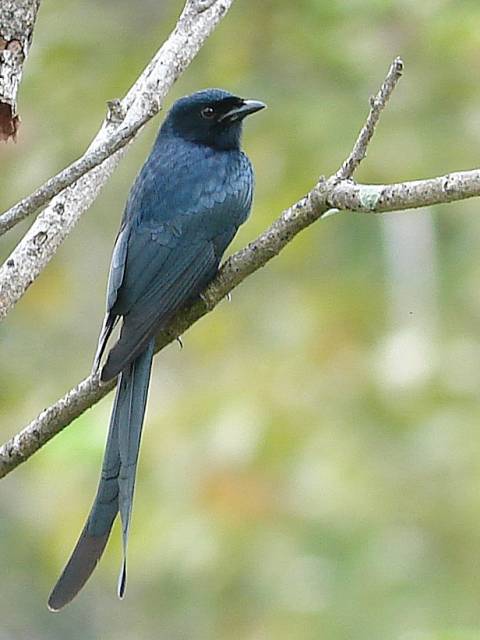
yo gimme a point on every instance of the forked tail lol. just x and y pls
(117, 483)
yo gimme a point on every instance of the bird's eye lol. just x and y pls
(208, 113)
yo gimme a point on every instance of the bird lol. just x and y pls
(183, 210)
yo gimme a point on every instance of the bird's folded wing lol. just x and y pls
(180, 275)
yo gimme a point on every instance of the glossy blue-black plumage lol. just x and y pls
(189, 199)
(184, 209)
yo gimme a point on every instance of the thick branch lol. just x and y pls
(381, 198)
(17, 19)
(341, 194)
(29, 258)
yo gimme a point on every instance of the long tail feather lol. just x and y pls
(129, 445)
(116, 487)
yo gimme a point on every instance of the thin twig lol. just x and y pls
(53, 186)
(377, 104)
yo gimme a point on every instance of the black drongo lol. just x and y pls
(189, 199)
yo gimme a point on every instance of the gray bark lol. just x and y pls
(17, 19)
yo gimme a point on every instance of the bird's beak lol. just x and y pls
(245, 109)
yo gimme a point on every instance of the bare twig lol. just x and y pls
(326, 194)
(53, 186)
(52, 226)
(377, 104)
(17, 19)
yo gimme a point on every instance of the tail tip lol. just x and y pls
(53, 604)
(122, 581)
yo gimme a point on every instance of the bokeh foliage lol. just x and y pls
(311, 462)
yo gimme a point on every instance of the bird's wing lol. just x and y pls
(141, 255)
(115, 279)
(163, 271)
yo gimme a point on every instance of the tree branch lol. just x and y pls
(17, 19)
(53, 186)
(381, 198)
(327, 193)
(29, 258)
(377, 104)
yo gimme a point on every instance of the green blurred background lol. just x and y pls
(311, 463)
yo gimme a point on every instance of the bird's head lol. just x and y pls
(212, 117)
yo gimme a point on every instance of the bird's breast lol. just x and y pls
(184, 181)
